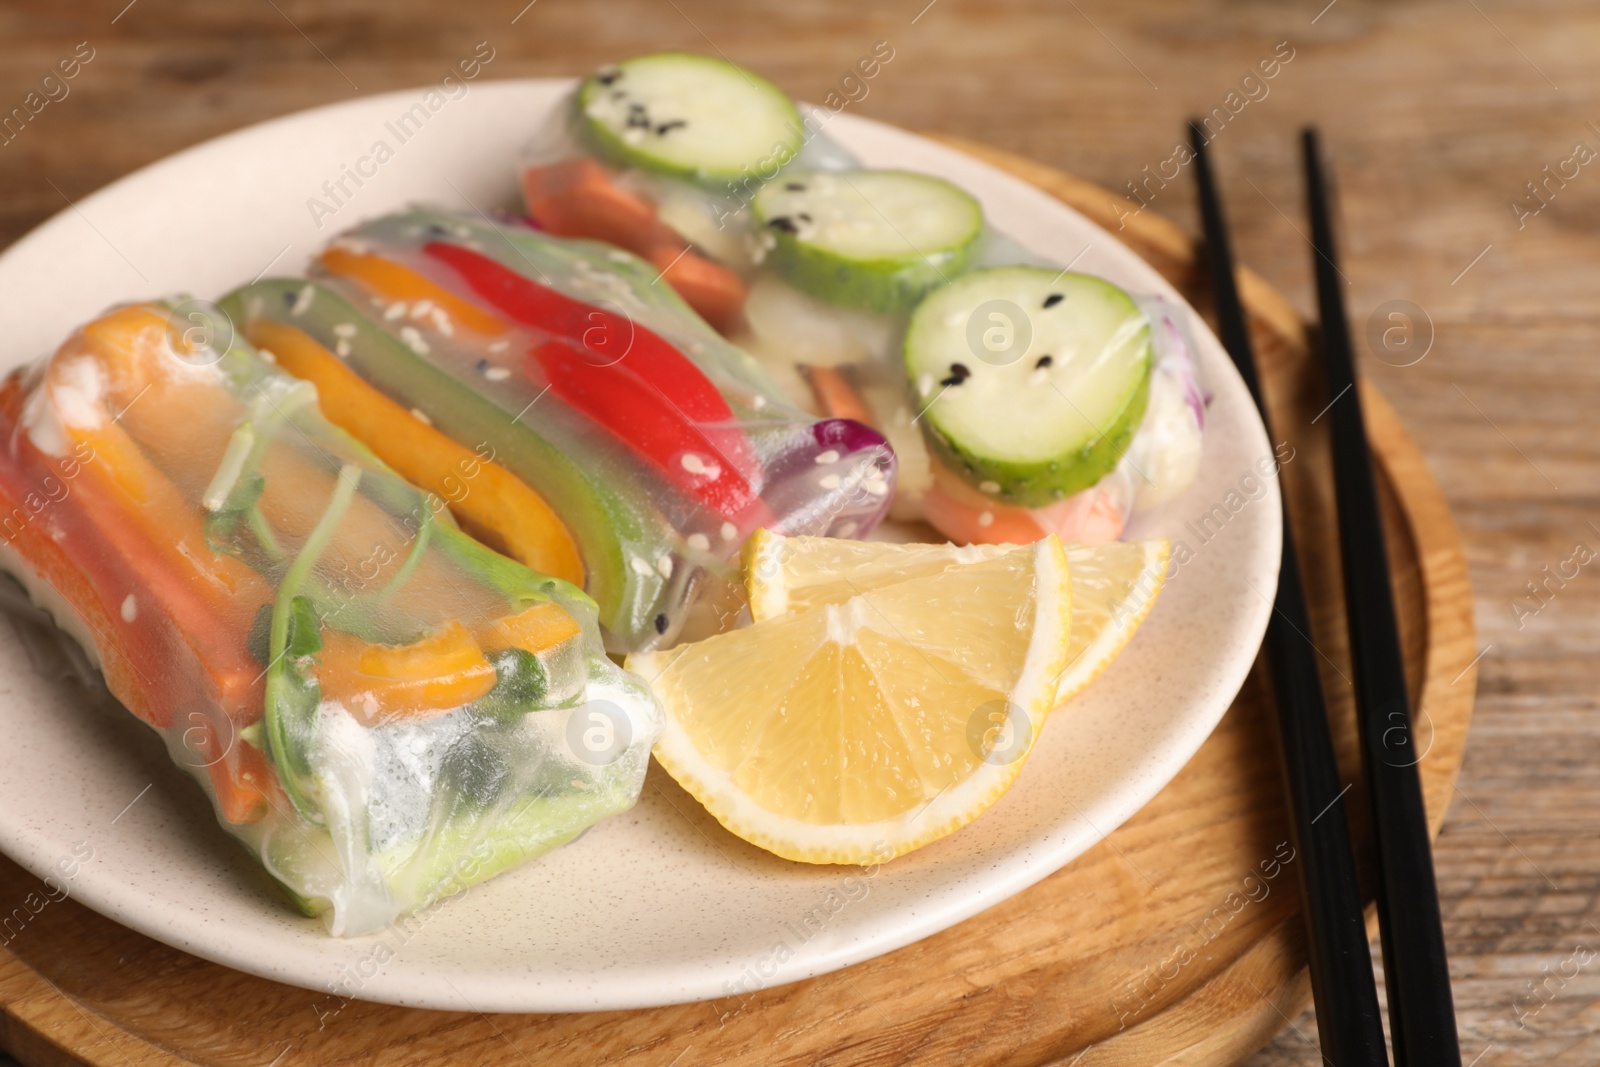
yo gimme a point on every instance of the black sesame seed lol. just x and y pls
(954, 379)
(639, 119)
(1053, 299)
(960, 370)
(674, 124)
(661, 624)
(607, 75)
(795, 187)
(289, 297)
(784, 223)
(803, 217)
(483, 365)
(1045, 361)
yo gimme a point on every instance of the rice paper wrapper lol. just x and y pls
(661, 444)
(381, 709)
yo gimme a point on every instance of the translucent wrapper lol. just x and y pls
(381, 709)
(832, 331)
(651, 445)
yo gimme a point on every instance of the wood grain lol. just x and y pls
(1174, 941)
(1437, 112)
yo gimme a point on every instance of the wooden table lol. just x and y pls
(1437, 113)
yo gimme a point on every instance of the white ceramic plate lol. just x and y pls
(659, 905)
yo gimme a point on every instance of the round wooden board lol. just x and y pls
(1174, 941)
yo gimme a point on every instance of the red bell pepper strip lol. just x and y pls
(628, 408)
(630, 381)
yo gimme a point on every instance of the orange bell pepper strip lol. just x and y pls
(397, 282)
(536, 629)
(483, 495)
(379, 683)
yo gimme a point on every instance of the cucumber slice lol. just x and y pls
(871, 239)
(690, 116)
(1031, 382)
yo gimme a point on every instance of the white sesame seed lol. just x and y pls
(499, 346)
(130, 608)
(394, 311)
(267, 355)
(342, 349)
(302, 301)
(823, 458)
(988, 487)
(497, 374)
(924, 384)
(729, 531)
(441, 322)
(986, 519)
(829, 481)
(759, 402)
(876, 485)
(421, 308)
(664, 565)
(345, 329)
(413, 340)
(699, 542)
(618, 257)
(692, 463)
(641, 567)
(421, 416)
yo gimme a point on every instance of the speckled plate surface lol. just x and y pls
(659, 905)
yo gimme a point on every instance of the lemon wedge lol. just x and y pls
(858, 730)
(1114, 585)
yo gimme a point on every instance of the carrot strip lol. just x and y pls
(715, 292)
(836, 396)
(577, 198)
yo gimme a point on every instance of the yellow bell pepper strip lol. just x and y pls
(487, 498)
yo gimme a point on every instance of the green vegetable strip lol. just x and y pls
(240, 446)
(419, 544)
(344, 492)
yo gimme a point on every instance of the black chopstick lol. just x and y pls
(1346, 994)
(1422, 1022)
